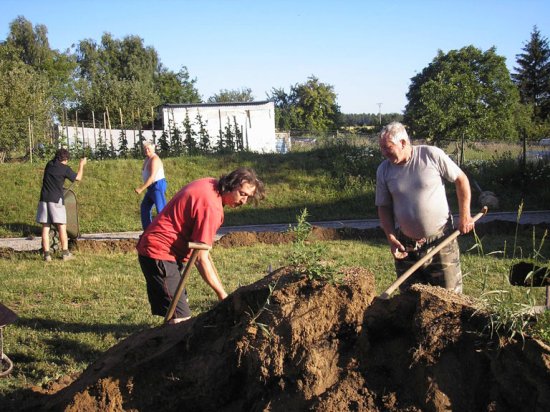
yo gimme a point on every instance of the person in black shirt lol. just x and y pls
(51, 207)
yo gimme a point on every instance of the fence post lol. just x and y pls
(30, 140)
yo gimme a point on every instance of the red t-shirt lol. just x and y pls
(194, 214)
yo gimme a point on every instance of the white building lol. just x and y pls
(256, 121)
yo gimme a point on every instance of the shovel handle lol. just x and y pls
(428, 255)
(184, 275)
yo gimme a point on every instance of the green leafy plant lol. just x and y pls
(307, 257)
(264, 328)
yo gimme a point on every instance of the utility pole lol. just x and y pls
(380, 113)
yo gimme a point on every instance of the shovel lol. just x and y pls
(195, 247)
(432, 252)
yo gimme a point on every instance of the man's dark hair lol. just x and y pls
(61, 155)
(235, 179)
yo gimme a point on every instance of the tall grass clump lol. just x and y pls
(513, 310)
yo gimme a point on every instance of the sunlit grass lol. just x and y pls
(71, 312)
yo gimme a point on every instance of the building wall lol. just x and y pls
(255, 119)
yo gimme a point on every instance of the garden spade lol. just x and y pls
(436, 249)
(195, 247)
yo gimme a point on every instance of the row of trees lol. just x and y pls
(462, 94)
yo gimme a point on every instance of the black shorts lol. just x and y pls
(162, 278)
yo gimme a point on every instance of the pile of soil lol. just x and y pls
(287, 343)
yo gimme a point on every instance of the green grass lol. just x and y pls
(333, 182)
(71, 312)
(107, 202)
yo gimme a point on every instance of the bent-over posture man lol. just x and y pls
(413, 209)
(194, 214)
(154, 181)
(51, 207)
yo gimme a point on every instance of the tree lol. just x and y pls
(465, 93)
(116, 74)
(204, 137)
(232, 96)
(532, 75)
(36, 83)
(33, 49)
(309, 106)
(189, 134)
(24, 98)
(128, 75)
(176, 88)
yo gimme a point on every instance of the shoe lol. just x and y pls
(47, 258)
(68, 256)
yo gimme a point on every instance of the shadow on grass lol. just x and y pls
(64, 349)
(24, 228)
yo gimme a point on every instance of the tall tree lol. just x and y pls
(176, 87)
(116, 74)
(464, 93)
(24, 96)
(35, 85)
(232, 96)
(32, 48)
(310, 106)
(532, 75)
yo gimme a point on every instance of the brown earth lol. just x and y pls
(286, 343)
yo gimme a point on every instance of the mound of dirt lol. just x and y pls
(114, 246)
(286, 343)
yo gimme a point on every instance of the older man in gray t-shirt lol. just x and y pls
(413, 208)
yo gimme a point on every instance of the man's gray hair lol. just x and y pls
(395, 131)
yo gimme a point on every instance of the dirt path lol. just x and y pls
(33, 243)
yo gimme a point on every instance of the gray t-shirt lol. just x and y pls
(416, 190)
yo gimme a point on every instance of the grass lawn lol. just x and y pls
(71, 312)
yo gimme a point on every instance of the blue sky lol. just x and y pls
(367, 50)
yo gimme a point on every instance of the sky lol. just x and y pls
(367, 50)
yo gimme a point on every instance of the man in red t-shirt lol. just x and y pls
(194, 214)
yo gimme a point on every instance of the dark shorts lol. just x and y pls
(162, 278)
(443, 269)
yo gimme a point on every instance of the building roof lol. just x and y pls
(184, 105)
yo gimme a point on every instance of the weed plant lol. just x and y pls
(309, 258)
(513, 310)
(513, 182)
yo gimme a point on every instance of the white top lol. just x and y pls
(416, 190)
(145, 171)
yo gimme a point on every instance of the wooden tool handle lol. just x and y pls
(199, 246)
(432, 252)
(195, 247)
